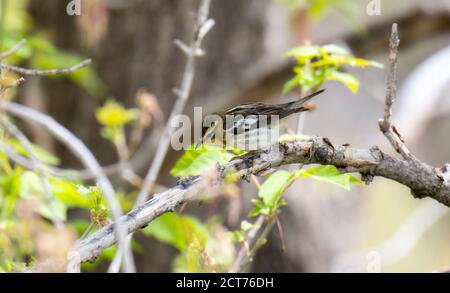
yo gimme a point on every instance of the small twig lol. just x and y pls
(40, 72)
(250, 235)
(86, 232)
(391, 87)
(262, 239)
(301, 116)
(202, 26)
(245, 249)
(126, 171)
(385, 124)
(16, 133)
(13, 50)
(80, 150)
(255, 181)
(281, 232)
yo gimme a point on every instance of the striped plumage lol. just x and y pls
(246, 121)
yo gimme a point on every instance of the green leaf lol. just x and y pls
(254, 212)
(315, 65)
(245, 225)
(196, 161)
(291, 84)
(364, 63)
(237, 236)
(303, 51)
(317, 8)
(41, 45)
(273, 187)
(346, 78)
(40, 153)
(335, 49)
(330, 174)
(30, 185)
(178, 231)
(59, 208)
(190, 261)
(69, 193)
(11, 183)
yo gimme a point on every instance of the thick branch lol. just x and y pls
(422, 179)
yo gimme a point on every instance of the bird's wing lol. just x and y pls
(239, 123)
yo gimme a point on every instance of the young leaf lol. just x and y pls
(237, 236)
(196, 161)
(346, 78)
(178, 231)
(30, 185)
(303, 51)
(254, 212)
(69, 193)
(335, 49)
(58, 208)
(316, 65)
(273, 187)
(40, 153)
(291, 84)
(330, 174)
(245, 225)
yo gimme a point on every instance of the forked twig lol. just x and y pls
(385, 124)
(202, 26)
(192, 51)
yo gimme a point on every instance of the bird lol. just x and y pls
(250, 126)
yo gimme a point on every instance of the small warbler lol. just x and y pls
(250, 126)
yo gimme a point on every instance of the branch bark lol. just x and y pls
(387, 128)
(40, 72)
(422, 179)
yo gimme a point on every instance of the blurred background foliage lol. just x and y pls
(40, 51)
(328, 230)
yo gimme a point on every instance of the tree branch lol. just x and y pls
(26, 71)
(192, 51)
(13, 50)
(422, 179)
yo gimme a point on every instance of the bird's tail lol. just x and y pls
(299, 103)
